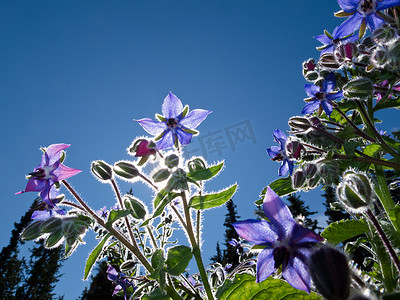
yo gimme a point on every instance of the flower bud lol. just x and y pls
(178, 180)
(355, 192)
(172, 161)
(316, 122)
(358, 88)
(379, 58)
(299, 123)
(126, 169)
(328, 60)
(137, 208)
(101, 170)
(330, 272)
(128, 266)
(344, 53)
(313, 182)
(383, 34)
(196, 164)
(294, 148)
(142, 148)
(161, 175)
(310, 170)
(309, 66)
(298, 179)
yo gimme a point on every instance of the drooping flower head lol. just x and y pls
(287, 244)
(48, 207)
(363, 13)
(321, 97)
(176, 125)
(102, 212)
(280, 153)
(119, 279)
(330, 41)
(49, 171)
(385, 85)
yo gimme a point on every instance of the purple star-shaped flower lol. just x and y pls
(102, 212)
(119, 279)
(280, 154)
(47, 207)
(363, 12)
(321, 98)
(49, 171)
(176, 124)
(330, 41)
(287, 243)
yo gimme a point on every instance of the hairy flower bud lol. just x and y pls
(126, 169)
(316, 122)
(355, 192)
(172, 161)
(196, 164)
(330, 272)
(358, 88)
(161, 175)
(379, 58)
(383, 34)
(344, 53)
(328, 60)
(294, 149)
(299, 123)
(298, 179)
(178, 181)
(101, 170)
(128, 265)
(310, 170)
(137, 208)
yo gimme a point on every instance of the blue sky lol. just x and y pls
(79, 72)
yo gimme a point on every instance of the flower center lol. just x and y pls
(172, 123)
(320, 96)
(39, 173)
(281, 256)
(367, 7)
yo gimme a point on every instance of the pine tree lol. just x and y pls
(218, 257)
(298, 208)
(330, 198)
(230, 253)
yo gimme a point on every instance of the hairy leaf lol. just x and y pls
(94, 255)
(212, 200)
(178, 258)
(342, 230)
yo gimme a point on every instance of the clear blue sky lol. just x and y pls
(79, 72)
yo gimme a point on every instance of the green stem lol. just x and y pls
(153, 240)
(371, 127)
(369, 160)
(195, 247)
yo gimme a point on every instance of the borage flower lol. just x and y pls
(176, 125)
(280, 153)
(120, 280)
(362, 13)
(287, 244)
(321, 98)
(49, 171)
(330, 41)
(47, 207)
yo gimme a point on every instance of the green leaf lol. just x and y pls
(394, 215)
(157, 262)
(387, 104)
(205, 174)
(94, 255)
(53, 239)
(244, 286)
(212, 200)
(178, 258)
(160, 197)
(372, 150)
(342, 230)
(157, 294)
(117, 214)
(281, 186)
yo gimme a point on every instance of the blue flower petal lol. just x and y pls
(323, 38)
(310, 107)
(53, 152)
(311, 90)
(273, 151)
(350, 25)
(284, 168)
(280, 137)
(265, 264)
(166, 141)
(386, 4)
(329, 83)
(303, 235)
(194, 118)
(172, 106)
(183, 137)
(296, 274)
(334, 96)
(278, 213)
(152, 127)
(348, 5)
(258, 232)
(374, 21)
(327, 106)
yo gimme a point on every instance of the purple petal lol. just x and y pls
(117, 289)
(258, 232)
(265, 264)
(296, 274)
(327, 106)
(152, 127)
(172, 106)
(351, 38)
(183, 137)
(334, 96)
(194, 118)
(348, 5)
(166, 141)
(280, 137)
(329, 83)
(36, 185)
(386, 4)
(278, 213)
(112, 274)
(303, 235)
(273, 151)
(41, 214)
(310, 107)
(374, 22)
(311, 90)
(54, 152)
(328, 49)
(323, 39)
(284, 168)
(64, 172)
(350, 25)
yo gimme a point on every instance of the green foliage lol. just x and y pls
(244, 287)
(205, 174)
(178, 258)
(212, 200)
(281, 186)
(114, 215)
(340, 231)
(94, 255)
